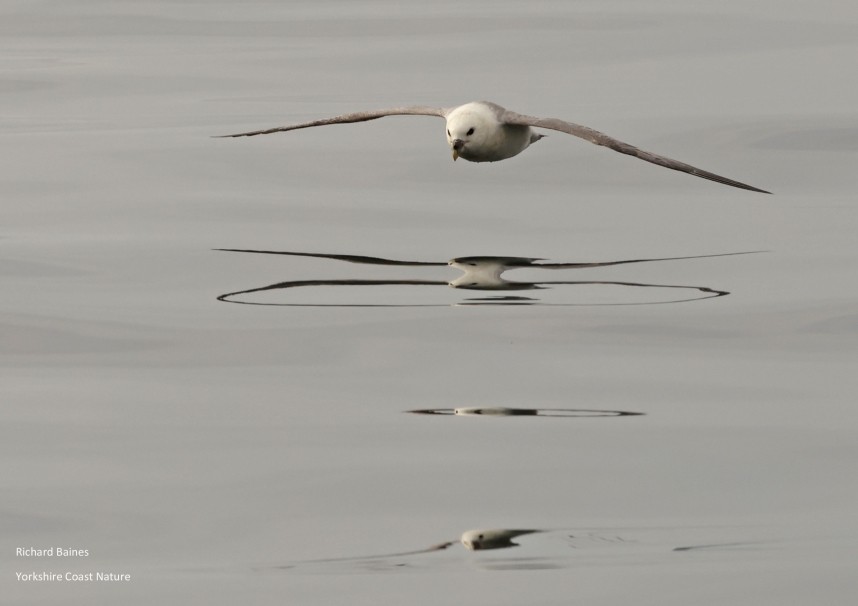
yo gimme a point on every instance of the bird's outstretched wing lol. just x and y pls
(413, 110)
(594, 136)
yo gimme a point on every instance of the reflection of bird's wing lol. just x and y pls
(437, 547)
(511, 534)
(433, 548)
(509, 262)
(710, 293)
(414, 110)
(605, 263)
(298, 283)
(594, 136)
(350, 258)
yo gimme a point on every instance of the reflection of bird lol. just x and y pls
(501, 411)
(485, 132)
(480, 273)
(484, 273)
(499, 538)
(641, 539)
(495, 411)
(474, 540)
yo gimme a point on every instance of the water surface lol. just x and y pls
(209, 449)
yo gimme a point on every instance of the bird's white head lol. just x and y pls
(471, 129)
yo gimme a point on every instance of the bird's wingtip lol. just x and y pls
(760, 191)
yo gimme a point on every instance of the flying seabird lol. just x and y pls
(482, 131)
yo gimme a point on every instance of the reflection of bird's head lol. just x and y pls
(470, 128)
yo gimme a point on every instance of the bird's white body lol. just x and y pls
(474, 133)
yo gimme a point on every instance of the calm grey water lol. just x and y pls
(223, 454)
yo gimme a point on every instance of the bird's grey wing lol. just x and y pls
(414, 110)
(594, 136)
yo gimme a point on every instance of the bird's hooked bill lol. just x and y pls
(458, 144)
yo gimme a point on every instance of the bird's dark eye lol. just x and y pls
(471, 131)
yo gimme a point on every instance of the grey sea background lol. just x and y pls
(224, 454)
